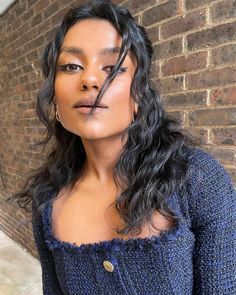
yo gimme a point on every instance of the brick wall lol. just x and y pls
(194, 67)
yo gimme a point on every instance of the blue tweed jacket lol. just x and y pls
(196, 257)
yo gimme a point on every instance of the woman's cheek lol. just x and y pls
(64, 88)
(120, 90)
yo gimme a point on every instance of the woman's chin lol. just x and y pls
(98, 135)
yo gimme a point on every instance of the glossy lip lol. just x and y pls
(86, 110)
(87, 103)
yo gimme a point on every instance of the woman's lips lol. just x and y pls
(86, 110)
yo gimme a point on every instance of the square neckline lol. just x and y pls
(116, 244)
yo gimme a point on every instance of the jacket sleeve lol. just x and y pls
(213, 215)
(50, 282)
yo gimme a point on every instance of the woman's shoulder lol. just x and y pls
(203, 165)
(210, 189)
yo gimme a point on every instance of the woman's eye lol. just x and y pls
(112, 67)
(69, 67)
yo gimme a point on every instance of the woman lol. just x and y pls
(125, 202)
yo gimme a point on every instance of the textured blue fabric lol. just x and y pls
(196, 257)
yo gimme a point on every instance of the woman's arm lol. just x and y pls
(213, 212)
(50, 282)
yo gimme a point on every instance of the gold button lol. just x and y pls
(108, 266)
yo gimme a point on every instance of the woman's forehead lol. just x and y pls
(93, 37)
(92, 32)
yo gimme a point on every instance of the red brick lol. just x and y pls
(185, 100)
(27, 15)
(31, 56)
(21, 61)
(190, 4)
(13, 82)
(223, 96)
(155, 70)
(212, 36)
(117, 1)
(29, 36)
(51, 9)
(40, 5)
(224, 155)
(211, 78)
(17, 72)
(225, 136)
(20, 32)
(166, 85)
(34, 43)
(178, 115)
(167, 49)
(31, 86)
(31, 3)
(50, 34)
(56, 19)
(27, 68)
(137, 19)
(153, 33)
(11, 65)
(20, 8)
(210, 117)
(181, 64)
(224, 55)
(36, 19)
(192, 20)
(24, 79)
(135, 6)
(161, 12)
(223, 10)
(13, 22)
(46, 25)
(11, 37)
(74, 3)
(200, 134)
(13, 46)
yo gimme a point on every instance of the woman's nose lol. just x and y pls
(90, 79)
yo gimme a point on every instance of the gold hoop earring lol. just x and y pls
(57, 116)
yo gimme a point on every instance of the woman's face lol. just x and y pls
(83, 64)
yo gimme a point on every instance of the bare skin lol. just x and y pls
(81, 214)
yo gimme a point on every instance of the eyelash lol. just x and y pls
(64, 67)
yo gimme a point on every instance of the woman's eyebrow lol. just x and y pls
(79, 51)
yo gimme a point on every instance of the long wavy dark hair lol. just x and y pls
(152, 164)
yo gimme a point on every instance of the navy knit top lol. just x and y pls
(198, 256)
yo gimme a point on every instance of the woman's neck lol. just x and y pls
(101, 158)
